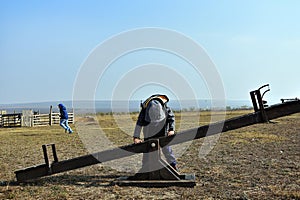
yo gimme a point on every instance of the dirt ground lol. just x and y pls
(261, 161)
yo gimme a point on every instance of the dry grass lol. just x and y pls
(256, 162)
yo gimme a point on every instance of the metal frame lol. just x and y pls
(46, 157)
(159, 174)
(258, 103)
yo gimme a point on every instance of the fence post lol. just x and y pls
(50, 116)
(73, 115)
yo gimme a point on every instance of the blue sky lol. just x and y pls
(43, 44)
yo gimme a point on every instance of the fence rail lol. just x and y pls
(40, 120)
(11, 120)
(49, 119)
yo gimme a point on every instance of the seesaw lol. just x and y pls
(163, 174)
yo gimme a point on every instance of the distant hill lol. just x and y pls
(118, 106)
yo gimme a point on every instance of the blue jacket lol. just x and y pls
(63, 111)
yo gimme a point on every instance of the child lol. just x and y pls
(64, 118)
(157, 120)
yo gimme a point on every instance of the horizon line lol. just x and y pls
(51, 101)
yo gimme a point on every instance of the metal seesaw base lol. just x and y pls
(164, 174)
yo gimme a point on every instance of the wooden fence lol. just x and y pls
(28, 118)
(49, 119)
(11, 120)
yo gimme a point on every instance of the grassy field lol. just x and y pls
(257, 162)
